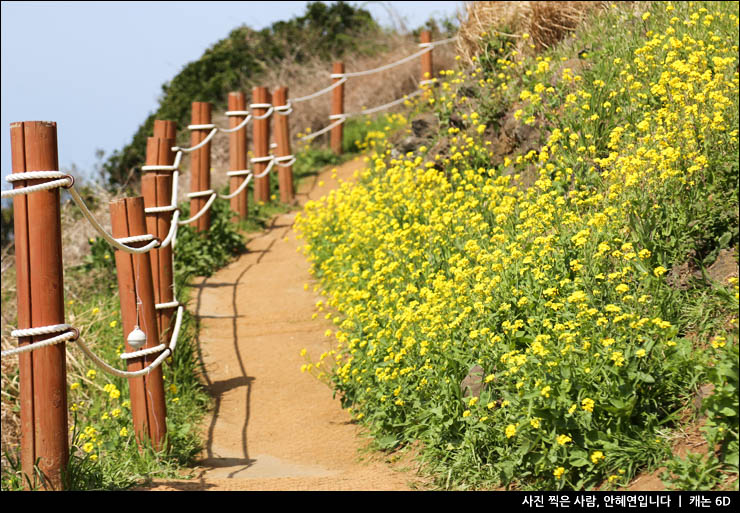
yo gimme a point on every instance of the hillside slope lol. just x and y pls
(531, 286)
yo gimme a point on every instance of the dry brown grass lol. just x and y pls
(76, 231)
(546, 23)
(309, 77)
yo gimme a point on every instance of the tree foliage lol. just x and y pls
(327, 31)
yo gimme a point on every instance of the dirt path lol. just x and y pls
(273, 427)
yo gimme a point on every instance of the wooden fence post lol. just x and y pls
(38, 243)
(337, 108)
(427, 72)
(165, 129)
(261, 137)
(156, 188)
(282, 137)
(200, 164)
(136, 293)
(238, 155)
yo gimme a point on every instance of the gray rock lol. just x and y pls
(410, 143)
(425, 125)
(472, 384)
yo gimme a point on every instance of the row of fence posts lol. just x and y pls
(144, 279)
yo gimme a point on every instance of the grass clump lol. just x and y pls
(104, 453)
(556, 270)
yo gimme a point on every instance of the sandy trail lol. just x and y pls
(273, 427)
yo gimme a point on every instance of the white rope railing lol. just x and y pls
(68, 182)
(202, 211)
(214, 131)
(285, 160)
(386, 105)
(65, 181)
(239, 189)
(67, 333)
(142, 352)
(60, 179)
(239, 126)
(267, 106)
(381, 68)
(439, 42)
(166, 351)
(284, 110)
(338, 122)
(341, 118)
(164, 306)
(116, 243)
(319, 93)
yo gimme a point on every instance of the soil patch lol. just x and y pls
(273, 427)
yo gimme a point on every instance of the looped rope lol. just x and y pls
(67, 333)
(146, 370)
(237, 127)
(240, 172)
(205, 141)
(386, 105)
(142, 352)
(267, 106)
(201, 212)
(136, 238)
(284, 110)
(162, 167)
(164, 306)
(199, 194)
(108, 237)
(42, 330)
(239, 189)
(65, 180)
(432, 44)
(157, 210)
(173, 231)
(319, 93)
(339, 121)
(285, 160)
(381, 68)
(267, 170)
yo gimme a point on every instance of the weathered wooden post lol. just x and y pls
(200, 164)
(136, 293)
(261, 137)
(165, 129)
(156, 188)
(238, 155)
(38, 257)
(337, 108)
(282, 137)
(427, 72)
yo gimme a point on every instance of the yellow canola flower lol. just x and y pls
(588, 404)
(563, 439)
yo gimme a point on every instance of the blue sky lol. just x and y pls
(96, 68)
